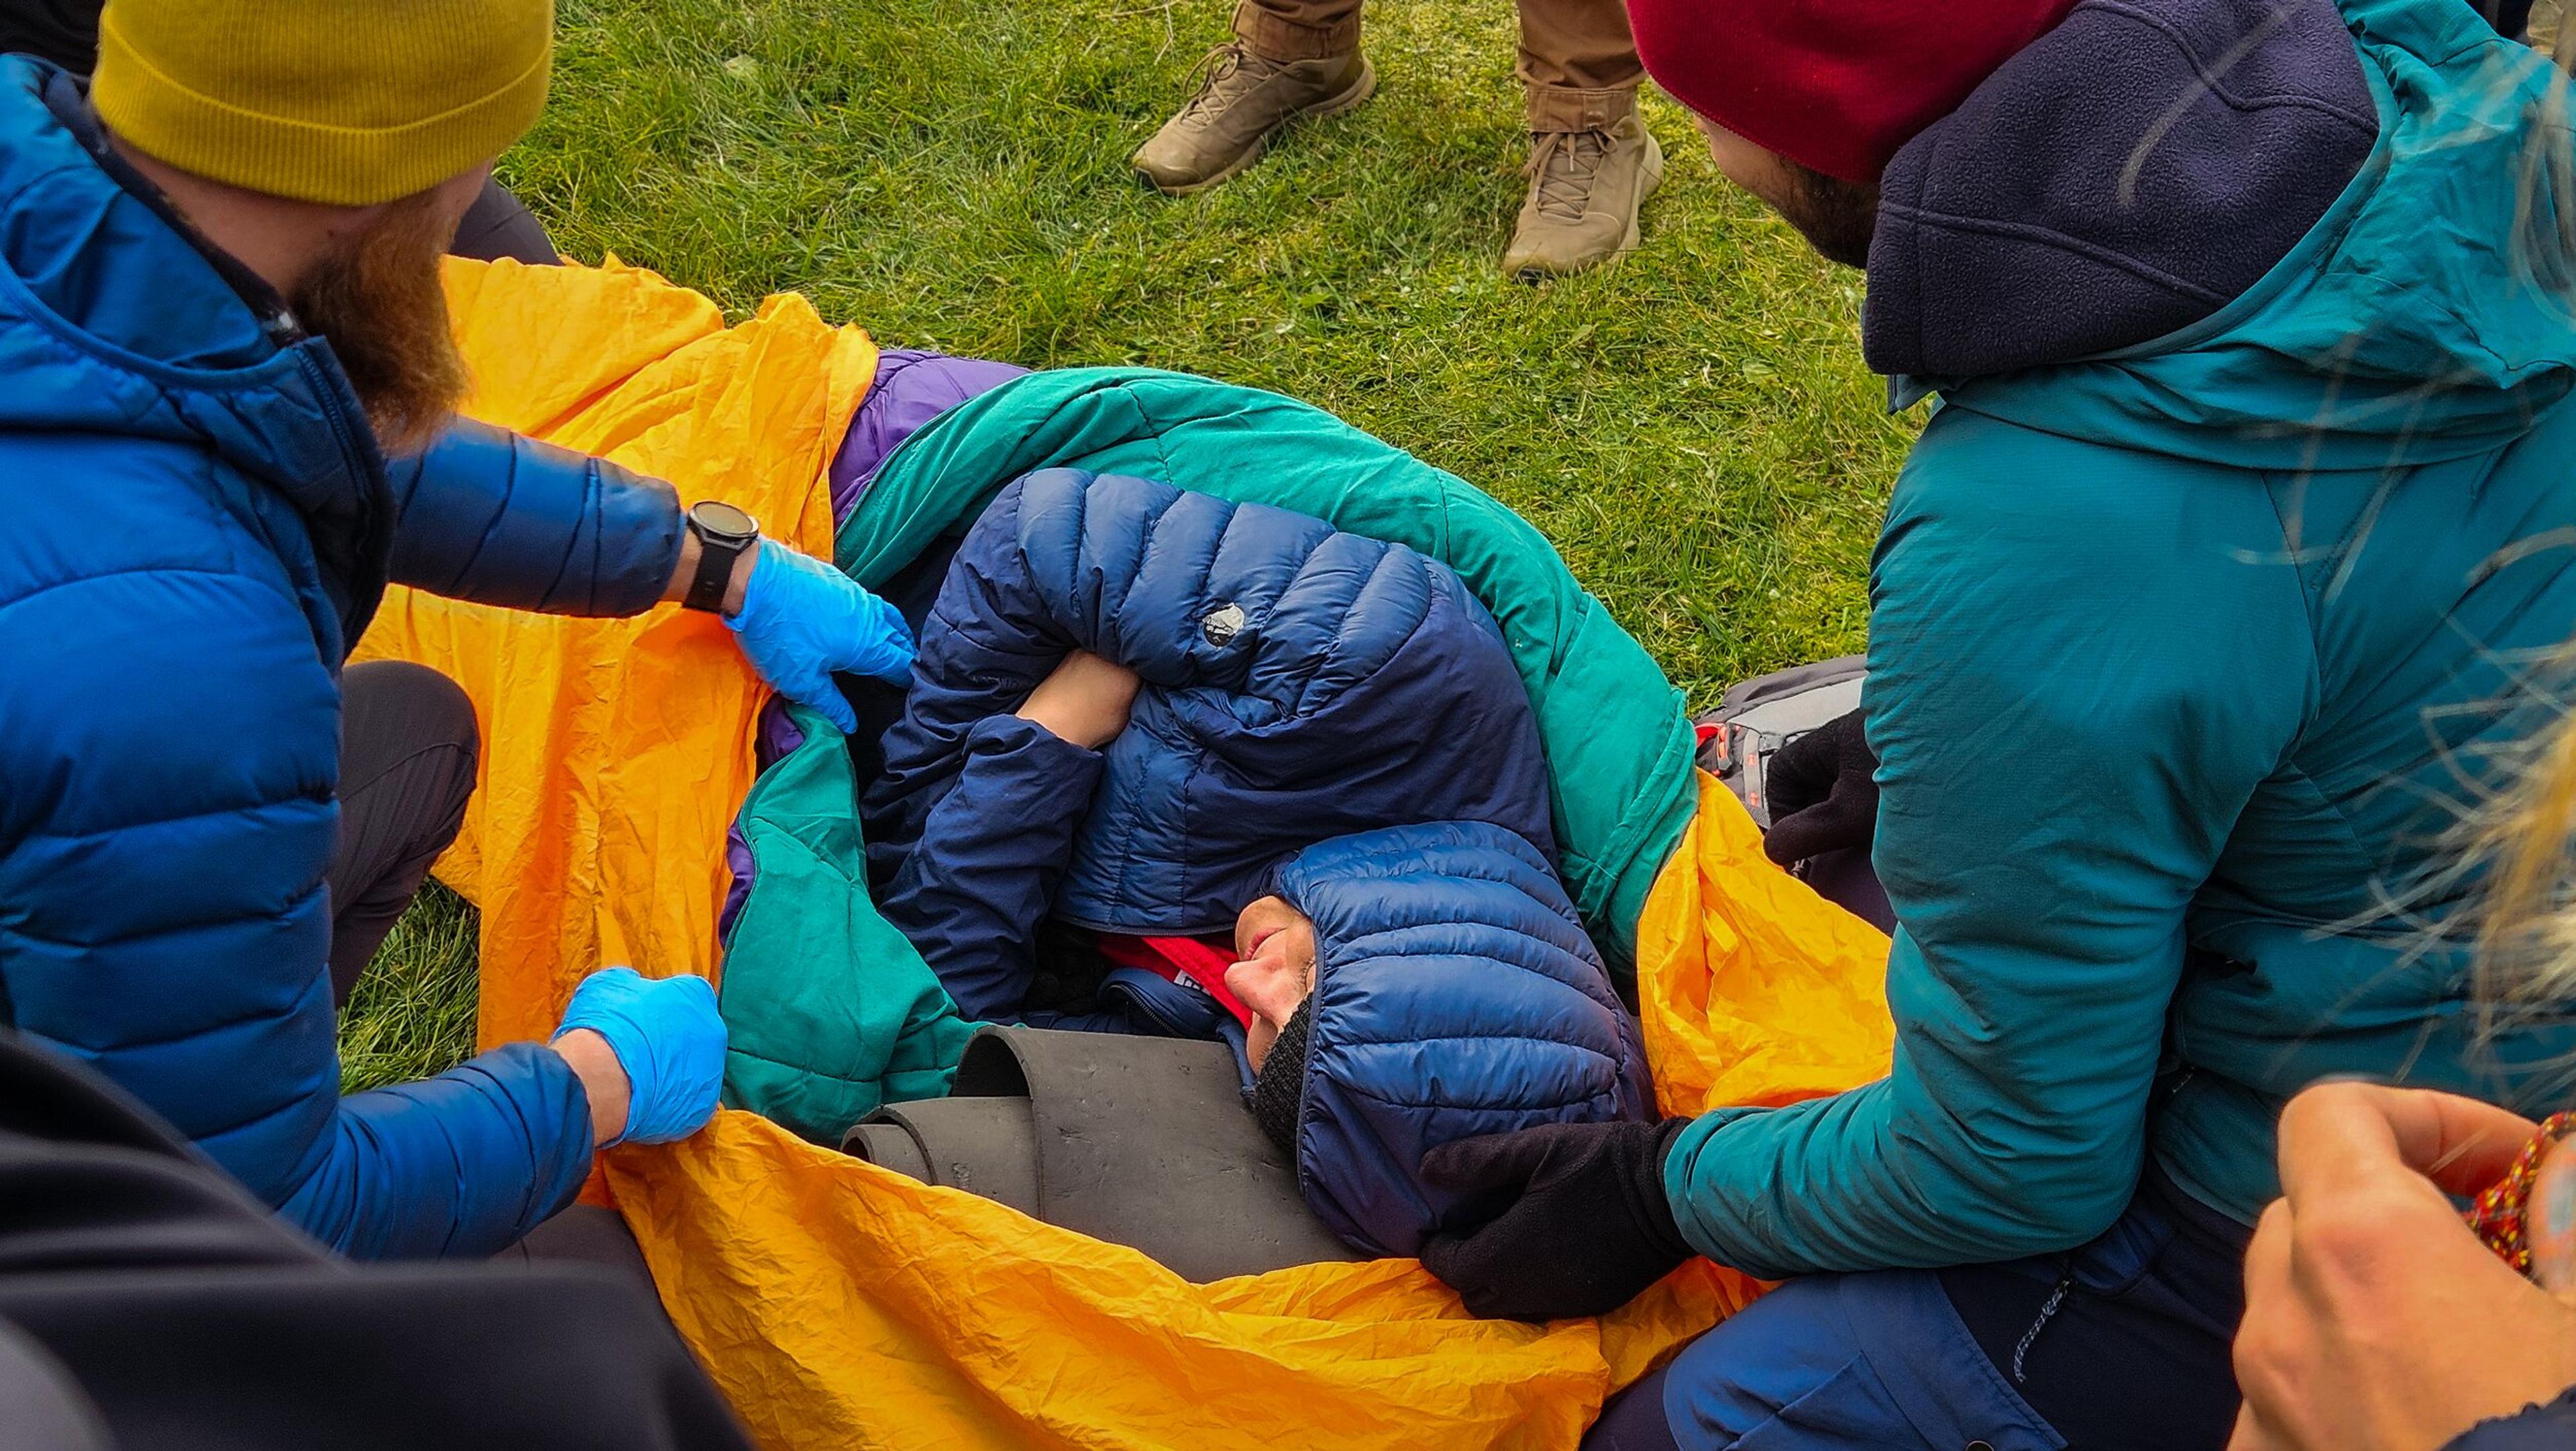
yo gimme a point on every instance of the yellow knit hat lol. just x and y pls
(344, 102)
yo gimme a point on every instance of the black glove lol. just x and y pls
(1824, 792)
(1587, 1228)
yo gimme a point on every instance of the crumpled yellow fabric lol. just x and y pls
(839, 1304)
(1751, 988)
(615, 752)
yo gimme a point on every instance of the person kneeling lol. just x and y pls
(228, 393)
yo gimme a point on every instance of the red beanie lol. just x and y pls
(1836, 85)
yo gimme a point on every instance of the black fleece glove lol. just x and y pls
(1824, 792)
(1587, 1228)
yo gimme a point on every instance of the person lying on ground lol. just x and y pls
(227, 423)
(2199, 601)
(1302, 707)
(1396, 989)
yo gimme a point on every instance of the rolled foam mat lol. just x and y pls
(1139, 1141)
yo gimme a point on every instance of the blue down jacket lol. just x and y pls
(1455, 995)
(199, 526)
(1300, 684)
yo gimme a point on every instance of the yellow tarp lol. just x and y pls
(839, 1304)
(615, 752)
(1751, 988)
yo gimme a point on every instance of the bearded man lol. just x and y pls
(227, 393)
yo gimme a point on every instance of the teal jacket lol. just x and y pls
(2186, 657)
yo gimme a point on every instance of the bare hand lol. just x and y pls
(1085, 701)
(2374, 1319)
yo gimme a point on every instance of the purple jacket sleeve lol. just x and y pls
(993, 849)
(2538, 1428)
(912, 387)
(489, 516)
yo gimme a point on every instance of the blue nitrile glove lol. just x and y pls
(802, 620)
(668, 1038)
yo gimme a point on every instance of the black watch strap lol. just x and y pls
(724, 535)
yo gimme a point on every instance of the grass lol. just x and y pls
(413, 1012)
(1693, 428)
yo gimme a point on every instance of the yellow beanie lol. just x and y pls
(344, 102)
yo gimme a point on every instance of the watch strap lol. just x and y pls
(714, 576)
(720, 549)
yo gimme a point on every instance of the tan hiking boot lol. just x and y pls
(1585, 189)
(1243, 102)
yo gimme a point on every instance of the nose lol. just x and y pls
(1266, 983)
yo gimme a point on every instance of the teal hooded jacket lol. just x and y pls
(2189, 653)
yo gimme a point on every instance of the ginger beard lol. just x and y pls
(1837, 217)
(377, 297)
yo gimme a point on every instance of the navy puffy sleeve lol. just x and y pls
(492, 517)
(971, 891)
(2538, 1428)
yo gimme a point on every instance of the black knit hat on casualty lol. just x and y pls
(1281, 1086)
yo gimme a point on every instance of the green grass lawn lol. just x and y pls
(413, 1013)
(1693, 427)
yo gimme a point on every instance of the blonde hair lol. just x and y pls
(2527, 930)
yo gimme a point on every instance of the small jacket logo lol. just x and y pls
(1219, 626)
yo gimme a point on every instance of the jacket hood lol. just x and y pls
(2169, 276)
(1300, 683)
(1455, 995)
(113, 321)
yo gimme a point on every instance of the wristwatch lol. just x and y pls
(724, 533)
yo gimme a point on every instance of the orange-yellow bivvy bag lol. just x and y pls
(839, 1304)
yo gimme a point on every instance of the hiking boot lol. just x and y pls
(1244, 100)
(1585, 188)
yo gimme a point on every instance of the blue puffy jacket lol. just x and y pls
(1455, 996)
(199, 527)
(1300, 683)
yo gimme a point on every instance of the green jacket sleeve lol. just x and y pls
(2083, 662)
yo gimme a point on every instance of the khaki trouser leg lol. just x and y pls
(1579, 62)
(1294, 30)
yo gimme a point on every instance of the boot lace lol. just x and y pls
(1225, 76)
(1565, 164)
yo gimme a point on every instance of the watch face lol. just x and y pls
(723, 522)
